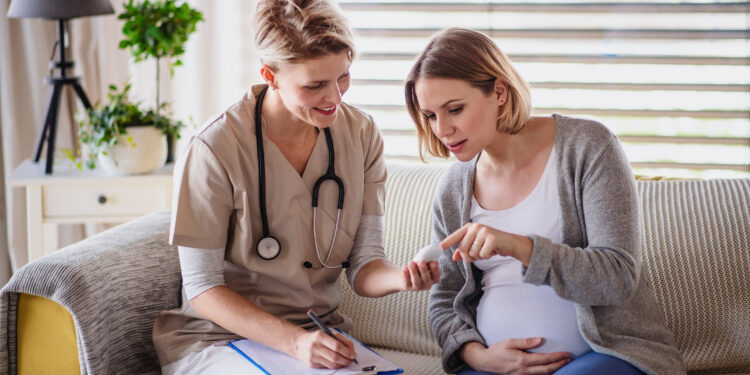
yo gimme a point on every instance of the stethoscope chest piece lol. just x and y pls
(268, 248)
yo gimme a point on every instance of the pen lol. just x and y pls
(323, 327)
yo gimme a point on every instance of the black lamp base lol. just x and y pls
(50, 122)
(49, 129)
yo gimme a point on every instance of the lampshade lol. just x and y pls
(58, 9)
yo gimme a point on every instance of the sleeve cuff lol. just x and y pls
(540, 263)
(452, 361)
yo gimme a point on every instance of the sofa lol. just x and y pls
(89, 308)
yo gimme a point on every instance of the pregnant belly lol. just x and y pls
(522, 311)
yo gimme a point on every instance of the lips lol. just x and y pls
(327, 110)
(455, 146)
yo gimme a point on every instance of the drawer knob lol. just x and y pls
(101, 199)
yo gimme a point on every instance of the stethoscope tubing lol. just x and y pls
(261, 162)
(329, 175)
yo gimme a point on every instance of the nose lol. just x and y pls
(442, 127)
(334, 93)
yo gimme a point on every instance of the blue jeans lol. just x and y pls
(590, 363)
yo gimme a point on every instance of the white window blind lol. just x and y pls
(672, 80)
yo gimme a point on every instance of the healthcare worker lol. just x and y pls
(262, 237)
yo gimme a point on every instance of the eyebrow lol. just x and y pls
(443, 105)
(324, 81)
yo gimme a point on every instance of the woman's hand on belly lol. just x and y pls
(318, 350)
(509, 357)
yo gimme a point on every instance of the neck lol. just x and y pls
(511, 152)
(282, 124)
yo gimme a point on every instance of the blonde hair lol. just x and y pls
(291, 30)
(470, 56)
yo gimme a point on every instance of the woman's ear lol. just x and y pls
(500, 91)
(269, 76)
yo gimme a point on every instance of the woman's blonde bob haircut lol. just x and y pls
(293, 30)
(473, 57)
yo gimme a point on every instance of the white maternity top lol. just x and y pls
(511, 309)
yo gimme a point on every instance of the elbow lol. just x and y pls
(624, 284)
(619, 294)
(203, 300)
(630, 281)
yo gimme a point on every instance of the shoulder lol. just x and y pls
(588, 148)
(227, 133)
(585, 142)
(227, 126)
(356, 120)
(455, 182)
(582, 133)
(353, 113)
(456, 172)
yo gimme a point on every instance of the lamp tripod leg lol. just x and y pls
(82, 95)
(52, 126)
(46, 126)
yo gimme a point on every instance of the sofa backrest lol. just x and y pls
(696, 253)
(400, 321)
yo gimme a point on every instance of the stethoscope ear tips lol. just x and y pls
(345, 265)
(307, 265)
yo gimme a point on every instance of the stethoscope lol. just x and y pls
(269, 247)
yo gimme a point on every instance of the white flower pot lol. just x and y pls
(148, 154)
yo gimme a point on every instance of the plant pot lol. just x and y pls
(148, 153)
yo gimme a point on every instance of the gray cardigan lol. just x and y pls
(597, 266)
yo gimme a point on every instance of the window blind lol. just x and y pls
(672, 80)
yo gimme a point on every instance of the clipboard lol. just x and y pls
(273, 362)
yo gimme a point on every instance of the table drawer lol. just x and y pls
(104, 200)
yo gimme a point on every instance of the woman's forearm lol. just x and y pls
(378, 278)
(470, 353)
(231, 311)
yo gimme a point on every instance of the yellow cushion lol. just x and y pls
(46, 338)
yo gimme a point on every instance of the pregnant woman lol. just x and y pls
(539, 218)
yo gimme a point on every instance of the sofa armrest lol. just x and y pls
(113, 285)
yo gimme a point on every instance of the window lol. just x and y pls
(672, 80)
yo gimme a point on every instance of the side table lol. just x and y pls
(89, 196)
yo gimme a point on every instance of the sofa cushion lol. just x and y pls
(696, 251)
(411, 363)
(400, 321)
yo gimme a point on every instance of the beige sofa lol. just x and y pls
(100, 295)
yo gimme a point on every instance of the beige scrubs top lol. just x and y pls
(217, 206)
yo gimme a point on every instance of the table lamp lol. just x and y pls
(62, 11)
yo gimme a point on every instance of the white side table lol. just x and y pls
(72, 196)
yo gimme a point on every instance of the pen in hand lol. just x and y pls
(323, 328)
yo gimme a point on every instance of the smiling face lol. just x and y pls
(311, 90)
(462, 116)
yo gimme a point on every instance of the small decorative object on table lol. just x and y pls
(121, 137)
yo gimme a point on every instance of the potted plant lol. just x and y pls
(121, 136)
(159, 29)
